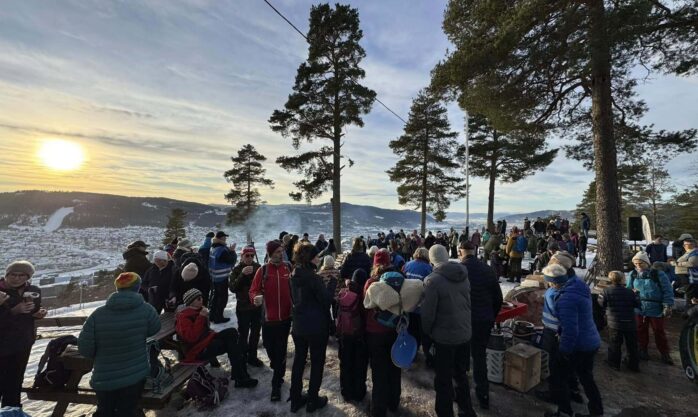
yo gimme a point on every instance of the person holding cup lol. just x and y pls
(19, 307)
(249, 315)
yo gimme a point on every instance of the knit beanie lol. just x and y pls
(563, 258)
(328, 262)
(381, 258)
(555, 273)
(128, 281)
(190, 296)
(642, 256)
(190, 272)
(184, 244)
(21, 267)
(438, 255)
(273, 245)
(373, 250)
(248, 250)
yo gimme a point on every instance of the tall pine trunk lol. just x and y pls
(336, 194)
(425, 166)
(493, 178)
(608, 222)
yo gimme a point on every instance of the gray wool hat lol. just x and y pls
(22, 267)
(438, 255)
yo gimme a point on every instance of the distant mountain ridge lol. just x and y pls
(34, 208)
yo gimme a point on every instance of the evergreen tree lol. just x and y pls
(504, 156)
(175, 225)
(247, 173)
(425, 171)
(326, 98)
(649, 190)
(544, 62)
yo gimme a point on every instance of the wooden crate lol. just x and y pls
(522, 366)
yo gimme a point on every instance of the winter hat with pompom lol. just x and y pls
(190, 272)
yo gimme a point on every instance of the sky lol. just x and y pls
(160, 94)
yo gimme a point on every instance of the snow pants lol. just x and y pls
(581, 363)
(249, 328)
(317, 345)
(122, 402)
(451, 363)
(226, 343)
(615, 343)
(385, 375)
(219, 299)
(275, 340)
(13, 367)
(353, 367)
(643, 333)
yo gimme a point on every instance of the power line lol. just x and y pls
(306, 38)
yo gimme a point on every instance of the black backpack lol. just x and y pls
(51, 372)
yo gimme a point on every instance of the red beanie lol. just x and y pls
(272, 246)
(381, 258)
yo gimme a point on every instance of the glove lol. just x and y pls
(667, 312)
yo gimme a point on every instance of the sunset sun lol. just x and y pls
(61, 155)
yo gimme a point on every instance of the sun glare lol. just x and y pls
(61, 155)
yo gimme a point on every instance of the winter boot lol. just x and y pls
(245, 382)
(316, 404)
(484, 401)
(298, 403)
(643, 355)
(666, 358)
(275, 393)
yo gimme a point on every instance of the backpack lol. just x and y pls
(349, 322)
(386, 318)
(160, 375)
(521, 244)
(51, 371)
(205, 390)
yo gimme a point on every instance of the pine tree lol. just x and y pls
(326, 98)
(247, 173)
(648, 191)
(175, 225)
(427, 148)
(543, 62)
(504, 156)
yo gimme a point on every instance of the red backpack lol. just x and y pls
(349, 321)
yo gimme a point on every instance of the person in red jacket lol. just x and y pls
(203, 344)
(271, 289)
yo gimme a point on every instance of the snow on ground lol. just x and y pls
(56, 219)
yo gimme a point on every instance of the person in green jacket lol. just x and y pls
(114, 336)
(492, 244)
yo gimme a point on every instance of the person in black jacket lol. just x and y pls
(656, 250)
(486, 301)
(20, 305)
(135, 257)
(311, 325)
(192, 273)
(157, 282)
(620, 303)
(249, 316)
(357, 259)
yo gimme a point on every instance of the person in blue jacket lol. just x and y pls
(579, 342)
(657, 299)
(114, 336)
(221, 261)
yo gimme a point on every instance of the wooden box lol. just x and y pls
(522, 366)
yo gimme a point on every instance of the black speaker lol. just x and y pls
(635, 228)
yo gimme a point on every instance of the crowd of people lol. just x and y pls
(384, 284)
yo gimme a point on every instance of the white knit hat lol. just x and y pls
(190, 272)
(162, 255)
(642, 256)
(438, 255)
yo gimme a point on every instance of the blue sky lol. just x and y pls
(160, 94)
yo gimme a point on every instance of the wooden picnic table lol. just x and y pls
(79, 366)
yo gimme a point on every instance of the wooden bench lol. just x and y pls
(79, 366)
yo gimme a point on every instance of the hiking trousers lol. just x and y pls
(275, 341)
(249, 328)
(451, 363)
(13, 367)
(219, 299)
(317, 345)
(385, 375)
(581, 363)
(615, 343)
(353, 367)
(643, 333)
(226, 343)
(122, 402)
